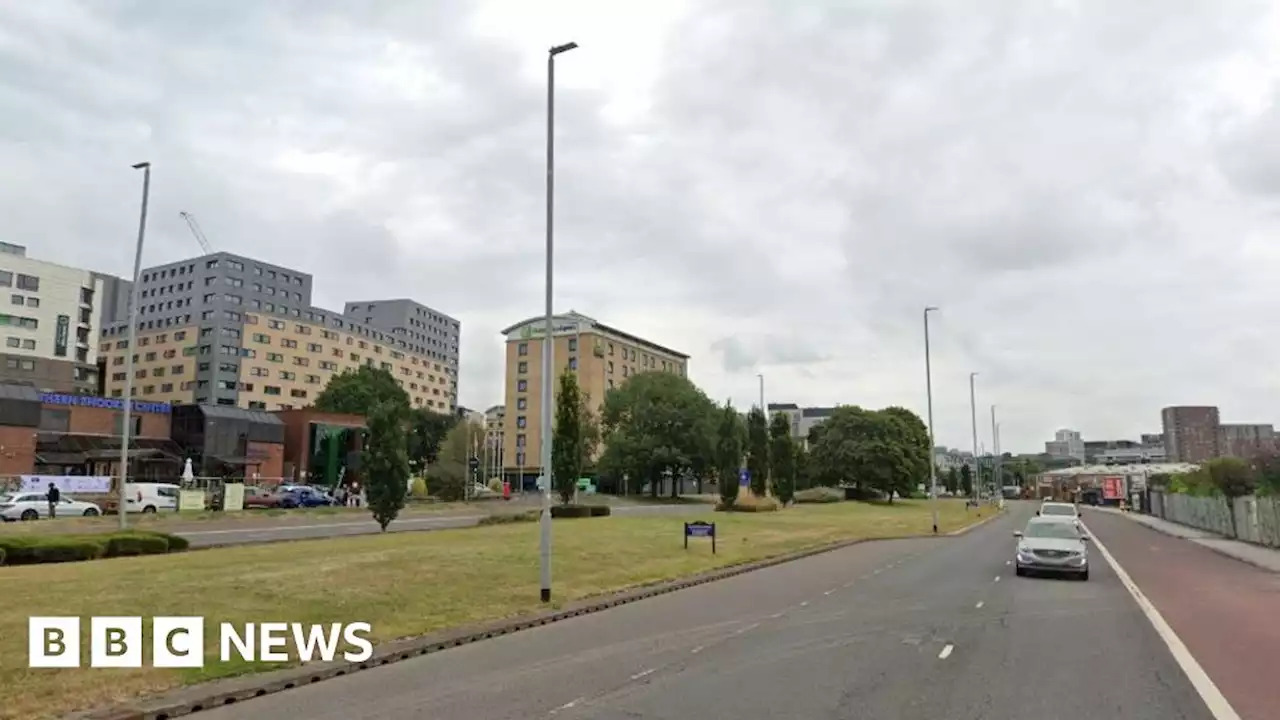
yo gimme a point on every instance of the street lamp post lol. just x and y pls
(762, 408)
(134, 294)
(928, 388)
(977, 467)
(548, 335)
(995, 449)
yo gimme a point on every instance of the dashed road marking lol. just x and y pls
(1008, 562)
(805, 603)
(568, 705)
(946, 652)
(776, 615)
(876, 571)
(639, 675)
(997, 578)
(828, 592)
(1213, 698)
(698, 649)
(980, 604)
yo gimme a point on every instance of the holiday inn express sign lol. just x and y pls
(537, 328)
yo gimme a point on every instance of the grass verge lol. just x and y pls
(403, 584)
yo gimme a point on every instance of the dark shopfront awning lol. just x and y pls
(72, 449)
(251, 459)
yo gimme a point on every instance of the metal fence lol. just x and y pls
(1257, 519)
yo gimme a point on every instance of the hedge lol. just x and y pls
(43, 549)
(527, 516)
(749, 504)
(600, 510)
(572, 511)
(820, 495)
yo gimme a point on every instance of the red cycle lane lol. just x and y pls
(1226, 612)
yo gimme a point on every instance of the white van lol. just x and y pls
(148, 498)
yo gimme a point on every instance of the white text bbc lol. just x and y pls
(178, 642)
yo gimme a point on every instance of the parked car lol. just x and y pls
(148, 497)
(260, 498)
(306, 496)
(34, 506)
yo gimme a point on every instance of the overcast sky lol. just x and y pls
(1088, 190)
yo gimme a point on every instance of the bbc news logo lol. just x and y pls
(178, 642)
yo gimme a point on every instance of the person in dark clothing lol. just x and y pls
(55, 496)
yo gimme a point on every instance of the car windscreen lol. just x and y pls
(1066, 510)
(1056, 530)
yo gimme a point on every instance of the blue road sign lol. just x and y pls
(744, 478)
(700, 529)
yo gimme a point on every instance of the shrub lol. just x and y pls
(571, 511)
(175, 543)
(750, 503)
(601, 511)
(496, 485)
(129, 544)
(36, 550)
(820, 495)
(507, 519)
(419, 488)
(1, 556)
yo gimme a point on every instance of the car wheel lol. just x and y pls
(1084, 576)
(149, 509)
(90, 512)
(1019, 572)
(30, 515)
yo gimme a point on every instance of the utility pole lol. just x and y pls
(995, 449)
(977, 459)
(928, 388)
(135, 294)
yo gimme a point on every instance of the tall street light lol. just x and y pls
(928, 388)
(973, 411)
(134, 293)
(766, 413)
(548, 336)
(995, 446)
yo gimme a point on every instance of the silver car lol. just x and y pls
(35, 506)
(1052, 546)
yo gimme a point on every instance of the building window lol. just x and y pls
(573, 344)
(29, 282)
(520, 440)
(270, 390)
(521, 422)
(573, 363)
(522, 349)
(522, 403)
(522, 385)
(522, 368)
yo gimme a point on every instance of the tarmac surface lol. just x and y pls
(910, 630)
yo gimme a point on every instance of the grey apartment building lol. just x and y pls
(1192, 433)
(221, 297)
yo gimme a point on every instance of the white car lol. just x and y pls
(1059, 511)
(35, 506)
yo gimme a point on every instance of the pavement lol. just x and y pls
(344, 526)
(908, 629)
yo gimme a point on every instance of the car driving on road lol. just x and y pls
(1052, 546)
(1059, 511)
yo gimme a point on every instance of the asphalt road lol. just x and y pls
(342, 527)
(913, 630)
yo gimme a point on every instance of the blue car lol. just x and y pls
(306, 496)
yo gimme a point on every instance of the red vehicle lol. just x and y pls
(261, 498)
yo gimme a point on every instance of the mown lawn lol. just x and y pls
(404, 584)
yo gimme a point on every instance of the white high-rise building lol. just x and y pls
(48, 324)
(1066, 444)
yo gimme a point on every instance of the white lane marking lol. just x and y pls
(946, 652)
(806, 602)
(748, 628)
(980, 603)
(828, 592)
(849, 584)
(1209, 692)
(876, 571)
(699, 649)
(568, 705)
(639, 675)
(1008, 562)
(776, 615)
(997, 578)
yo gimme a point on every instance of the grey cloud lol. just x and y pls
(809, 177)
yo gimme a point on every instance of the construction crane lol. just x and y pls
(195, 230)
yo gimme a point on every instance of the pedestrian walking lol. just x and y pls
(54, 496)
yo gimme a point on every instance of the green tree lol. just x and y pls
(656, 423)
(567, 437)
(729, 447)
(427, 430)
(1267, 473)
(357, 392)
(966, 480)
(912, 437)
(386, 463)
(1232, 478)
(452, 471)
(953, 480)
(758, 451)
(871, 450)
(782, 458)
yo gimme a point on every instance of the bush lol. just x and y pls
(571, 511)
(601, 511)
(418, 489)
(1, 556)
(507, 519)
(820, 495)
(129, 544)
(750, 503)
(35, 550)
(495, 485)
